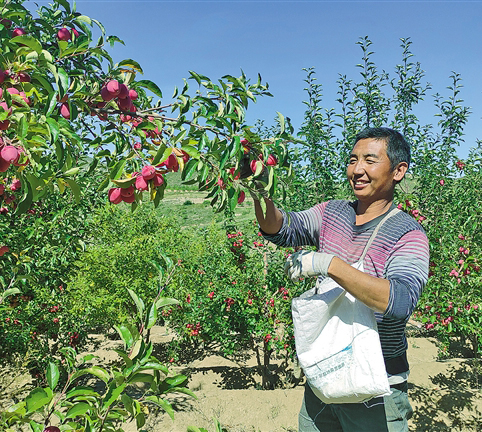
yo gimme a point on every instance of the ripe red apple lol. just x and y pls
(74, 32)
(129, 199)
(124, 104)
(127, 192)
(232, 171)
(6, 108)
(141, 183)
(65, 111)
(4, 250)
(6, 22)
(113, 87)
(9, 154)
(185, 156)
(64, 34)
(2, 189)
(4, 124)
(241, 197)
(148, 172)
(3, 76)
(106, 94)
(18, 32)
(51, 429)
(13, 90)
(124, 92)
(4, 165)
(253, 164)
(138, 146)
(16, 185)
(221, 183)
(272, 160)
(171, 163)
(133, 94)
(23, 77)
(115, 196)
(158, 180)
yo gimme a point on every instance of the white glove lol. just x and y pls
(306, 263)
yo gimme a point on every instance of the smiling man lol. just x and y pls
(396, 270)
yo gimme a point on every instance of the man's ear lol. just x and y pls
(399, 171)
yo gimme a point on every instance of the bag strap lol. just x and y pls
(393, 212)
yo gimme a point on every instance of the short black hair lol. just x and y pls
(398, 148)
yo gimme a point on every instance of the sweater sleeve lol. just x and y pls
(407, 272)
(299, 228)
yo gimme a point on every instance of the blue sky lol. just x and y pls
(279, 38)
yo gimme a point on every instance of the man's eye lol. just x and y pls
(370, 161)
(352, 161)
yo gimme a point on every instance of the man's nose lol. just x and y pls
(359, 167)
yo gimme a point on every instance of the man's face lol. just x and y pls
(369, 171)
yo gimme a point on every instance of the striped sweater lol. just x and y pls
(399, 253)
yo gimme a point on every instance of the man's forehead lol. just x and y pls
(370, 147)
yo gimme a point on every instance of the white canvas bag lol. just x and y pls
(337, 341)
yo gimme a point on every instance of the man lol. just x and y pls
(396, 270)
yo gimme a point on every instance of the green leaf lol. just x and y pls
(281, 121)
(113, 393)
(53, 375)
(132, 64)
(37, 399)
(154, 366)
(74, 187)
(141, 377)
(53, 129)
(162, 154)
(191, 151)
(176, 380)
(151, 317)
(72, 171)
(94, 370)
(165, 405)
(189, 169)
(117, 169)
(81, 391)
(149, 85)
(26, 201)
(28, 40)
(78, 409)
(9, 292)
(83, 18)
(125, 335)
(22, 128)
(63, 81)
(113, 39)
(66, 5)
(138, 301)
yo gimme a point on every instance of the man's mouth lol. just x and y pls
(359, 184)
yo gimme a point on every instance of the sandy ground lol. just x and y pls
(446, 395)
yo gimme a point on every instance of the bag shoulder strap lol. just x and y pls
(393, 212)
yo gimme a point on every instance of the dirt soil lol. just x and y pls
(446, 395)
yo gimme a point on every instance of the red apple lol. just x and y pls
(115, 196)
(65, 111)
(141, 183)
(113, 87)
(133, 94)
(272, 160)
(124, 92)
(148, 172)
(64, 34)
(18, 32)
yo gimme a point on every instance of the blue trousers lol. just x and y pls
(383, 414)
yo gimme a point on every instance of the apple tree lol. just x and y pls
(67, 109)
